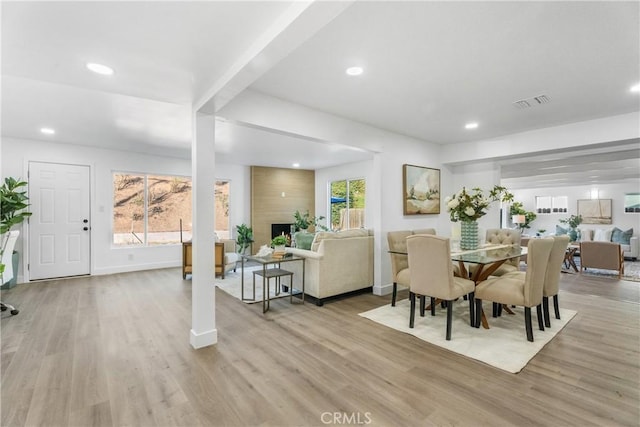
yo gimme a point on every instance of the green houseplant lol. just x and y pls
(573, 222)
(517, 208)
(279, 241)
(244, 237)
(304, 220)
(13, 201)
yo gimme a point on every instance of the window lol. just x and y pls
(549, 204)
(347, 203)
(156, 209)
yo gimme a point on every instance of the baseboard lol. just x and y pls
(320, 301)
(381, 290)
(204, 339)
(135, 267)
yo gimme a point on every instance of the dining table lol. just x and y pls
(486, 259)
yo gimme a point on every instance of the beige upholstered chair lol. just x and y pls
(605, 255)
(552, 277)
(505, 236)
(518, 289)
(399, 264)
(431, 274)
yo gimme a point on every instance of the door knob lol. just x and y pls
(85, 228)
(85, 221)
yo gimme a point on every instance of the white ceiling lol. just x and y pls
(430, 67)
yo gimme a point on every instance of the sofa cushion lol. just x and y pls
(230, 257)
(602, 235)
(622, 237)
(561, 231)
(345, 234)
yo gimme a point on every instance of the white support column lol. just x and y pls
(375, 196)
(203, 296)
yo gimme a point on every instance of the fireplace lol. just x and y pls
(280, 229)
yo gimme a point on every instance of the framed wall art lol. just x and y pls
(632, 203)
(421, 190)
(595, 211)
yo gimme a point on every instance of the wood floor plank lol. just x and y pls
(114, 351)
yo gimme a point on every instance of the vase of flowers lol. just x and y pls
(469, 206)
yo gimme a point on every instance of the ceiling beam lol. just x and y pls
(301, 21)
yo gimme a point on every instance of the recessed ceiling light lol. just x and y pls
(296, 165)
(472, 125)
(47, 131)
(100, 69)
(354, 71)
(635, 88)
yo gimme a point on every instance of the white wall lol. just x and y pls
(615, 192)
(105, 259)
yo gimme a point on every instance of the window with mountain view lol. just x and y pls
(156, 209)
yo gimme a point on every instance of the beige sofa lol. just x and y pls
(337, 263)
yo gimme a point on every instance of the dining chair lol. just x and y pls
(505, 236)
(431, 274)
(552, 277)
(399, 264)
(519, 289)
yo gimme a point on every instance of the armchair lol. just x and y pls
(605, 255)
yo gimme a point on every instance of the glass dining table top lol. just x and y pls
(487, 254)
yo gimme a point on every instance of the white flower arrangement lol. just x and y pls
(471, 205)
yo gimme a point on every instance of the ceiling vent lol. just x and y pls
(542, 99)
(521, 104)
(530, 102)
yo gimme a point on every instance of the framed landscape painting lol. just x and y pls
(595, 211)
(632, 202)
(421, 190)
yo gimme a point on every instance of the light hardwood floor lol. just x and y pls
(114, 351)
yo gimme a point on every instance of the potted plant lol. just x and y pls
(518, 209)
(573, 222)
(13, 201)
(244, 237)
(279, 243)
(305, 220)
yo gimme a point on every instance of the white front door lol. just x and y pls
(60, 227)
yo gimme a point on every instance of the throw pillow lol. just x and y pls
(602, 235)
(586, 234)
(561, 231)
(622, 237)
(304, 240)
(318, 238)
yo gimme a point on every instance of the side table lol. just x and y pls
(269, 273)
(568, 257)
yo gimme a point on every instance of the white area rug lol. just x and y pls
(231, 285)
(503, 346)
